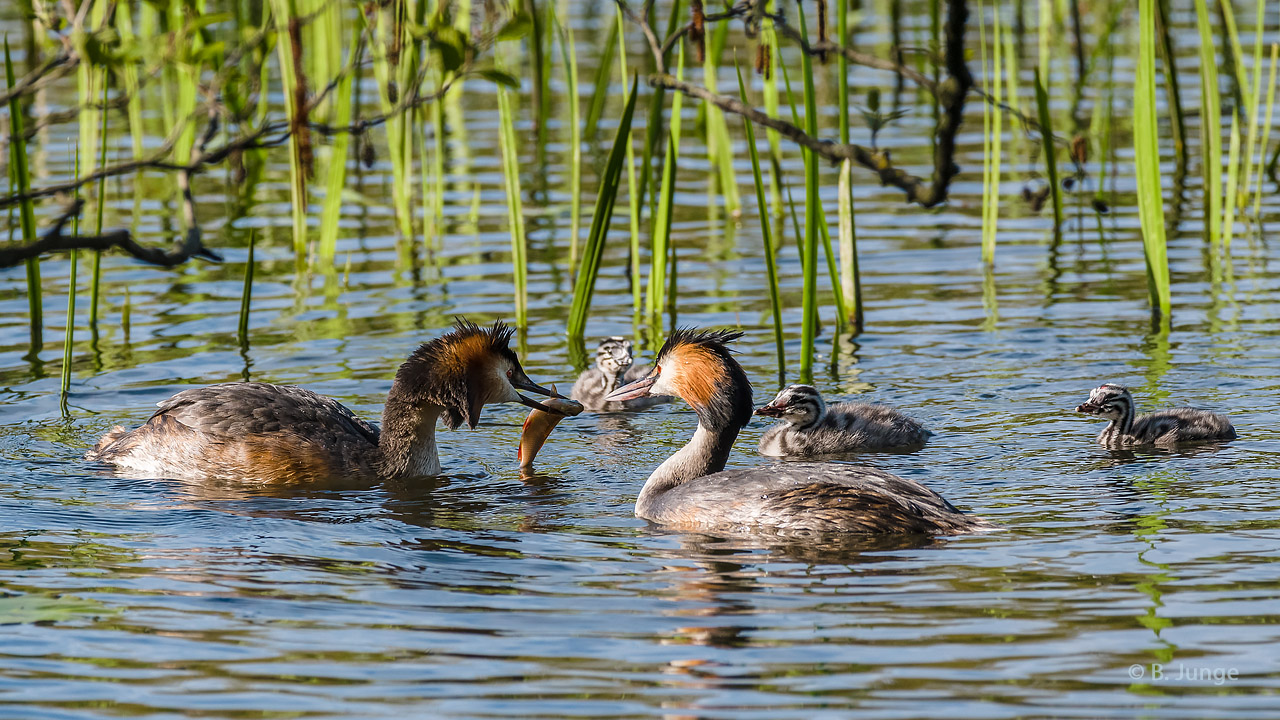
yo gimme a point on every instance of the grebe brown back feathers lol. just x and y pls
(690, 491)
(1163, 427)
(256, 432)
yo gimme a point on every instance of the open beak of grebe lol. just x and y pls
(522, 382)
(772, 410)
(633, 390)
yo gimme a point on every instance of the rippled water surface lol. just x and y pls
(482, 594)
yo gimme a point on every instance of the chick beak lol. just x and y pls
(1089, 408)
(633, 390)
(772, 410)
(522, 382)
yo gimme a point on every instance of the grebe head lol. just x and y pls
(800, 405)
(614, 355)
(465, 369)
(695, 366)
(1109, 400)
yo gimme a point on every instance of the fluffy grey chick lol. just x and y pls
(1163, 427)
(811, 427)
(614, 368)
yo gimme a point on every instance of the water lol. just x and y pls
(482, 594)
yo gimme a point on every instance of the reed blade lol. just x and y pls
(1050, 153)
(515, 210)
(20, 180)
(633, 191)
(1210, 125)
(246, 293)
(660, 237)
(771, 271)
(593, 249)
(331, 212)
(1147, 164)
(812, 208)
(569, 55)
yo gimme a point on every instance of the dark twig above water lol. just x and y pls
(191, 245)
(950, 91)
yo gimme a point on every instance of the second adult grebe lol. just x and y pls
(691, 490)
(256, 432)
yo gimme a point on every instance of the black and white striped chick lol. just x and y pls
(615, 367)
(811, 427)
(1163, 427)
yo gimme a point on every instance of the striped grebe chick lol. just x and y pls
(256, 432)
(692, 491)
(812, 427)
(1163, 427)
(615, 366)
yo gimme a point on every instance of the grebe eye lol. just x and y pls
(511, 373)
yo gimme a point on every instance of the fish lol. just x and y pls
(538, 427)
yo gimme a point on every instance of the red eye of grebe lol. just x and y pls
(511, 373)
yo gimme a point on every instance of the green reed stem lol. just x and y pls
(719, 145)
(246, 293)
(1233, 175)
(633, 194)
(68, 337)
(1255, 105)
(851, 281)
(331, 212)
(1172, 85)
(660, 237)
(1050, 152)
(20, 178)
(994, 138)
(285, 14)
(600, 93)
(775, 295)
(1210, 125)
(96, 276)
(812, 208)
(570, 56)
(1147, 164)
(593, 250)
(515, 213)
(653, 125)
(1266, 128)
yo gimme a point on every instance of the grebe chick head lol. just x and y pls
(800, 405)
(696, 366)
(614, 355)
(463, 370)
(1110, 401)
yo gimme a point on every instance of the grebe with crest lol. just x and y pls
(812, 427)
(692, 491)
(256, 432)
(1163, 427)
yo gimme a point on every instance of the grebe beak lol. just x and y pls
(522, 382)
(1089, 408)
(633, 390)
(771, 410)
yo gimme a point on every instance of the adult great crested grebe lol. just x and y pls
(812, 427)
(615, 366)
(256, 432)
(1163, 427)
(691, 490)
